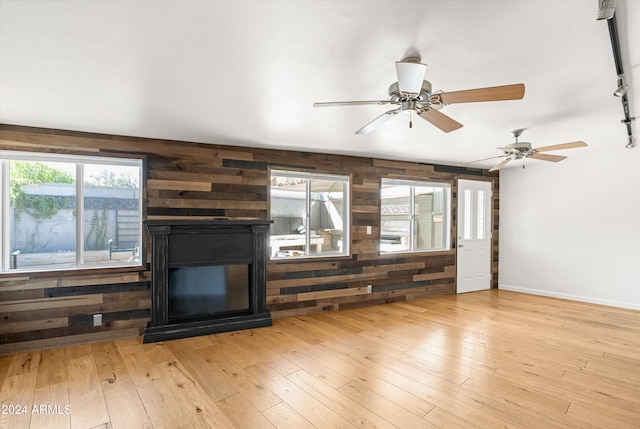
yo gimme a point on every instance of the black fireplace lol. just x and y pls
(206, 277)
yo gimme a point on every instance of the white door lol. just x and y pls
(474, 235)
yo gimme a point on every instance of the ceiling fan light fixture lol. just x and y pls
(410, 76)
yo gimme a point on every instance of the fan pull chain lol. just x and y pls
(410, 119)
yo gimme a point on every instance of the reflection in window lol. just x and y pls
(310, 214)
(53, 220)
(414, 216)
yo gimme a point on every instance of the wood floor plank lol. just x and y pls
(381, 406)
(283, 416)
(446, 420)
(242, 414)
(590, 416)
(125, 409)
(255, 343)
(159, 402)
(88, 407)
(200, 409)
(347, 408)
(314, 411)
(250, 389)
(17, 393)
(204, 368)
(52, 391)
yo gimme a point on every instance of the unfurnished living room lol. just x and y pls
(319, 214)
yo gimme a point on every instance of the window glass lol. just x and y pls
(310, 215)
(42, 214)
(414, 216)
(53, 220)
(395, 213)
(111, 213)
(480, 221)
(468, 203)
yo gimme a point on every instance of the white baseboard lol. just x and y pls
(631, 306)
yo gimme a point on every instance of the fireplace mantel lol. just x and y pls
(177, 244)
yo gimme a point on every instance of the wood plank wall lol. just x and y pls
(204, 181)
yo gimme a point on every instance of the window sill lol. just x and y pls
(407, 254)
(302, 259)
(8, 276)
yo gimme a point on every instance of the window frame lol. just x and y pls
(346, 221)
(447, 206)
(80, 161)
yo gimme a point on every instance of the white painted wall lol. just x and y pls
(572, 229)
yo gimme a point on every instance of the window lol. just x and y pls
(310, 215)
(414, 216)
(69, 212)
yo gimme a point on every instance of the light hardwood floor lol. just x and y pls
(491, 359)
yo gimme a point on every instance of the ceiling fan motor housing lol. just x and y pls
(522, 148)
(395, 96)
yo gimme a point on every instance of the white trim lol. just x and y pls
(56, 157)
(581, 298)
(4, 216)
(79, 214)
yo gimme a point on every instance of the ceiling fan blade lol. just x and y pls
(440, 120)
(377, 122)
(486, 159)
(494, 93)
(547, 157)
(500, 164)
(570, 145)
(349, 103)
(410, 76)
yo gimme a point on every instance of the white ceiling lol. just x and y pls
(247, 72)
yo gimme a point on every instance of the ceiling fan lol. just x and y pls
(522, 150)
(412, 94)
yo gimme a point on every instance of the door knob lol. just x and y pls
(460, 245)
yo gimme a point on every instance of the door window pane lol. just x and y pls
(468, 204)
(481, 211)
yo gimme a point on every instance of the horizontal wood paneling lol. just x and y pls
(204, 181)
(58, 310)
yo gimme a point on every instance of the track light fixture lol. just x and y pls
(622, 87)
(606, 9)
